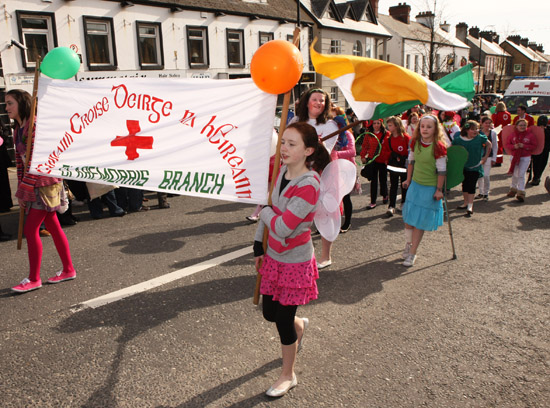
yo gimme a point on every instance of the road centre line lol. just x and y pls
(161, 280)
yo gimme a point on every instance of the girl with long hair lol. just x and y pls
(288, 268)
(40, 196)
(426, 171)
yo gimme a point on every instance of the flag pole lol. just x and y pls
(30, 141)
(449, 218)
(282, 127)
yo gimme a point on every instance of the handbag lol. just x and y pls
(396, 160)
(368, 171)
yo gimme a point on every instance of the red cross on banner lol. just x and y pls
(531, 86)
(132, 141)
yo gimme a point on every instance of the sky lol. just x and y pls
(528, 18)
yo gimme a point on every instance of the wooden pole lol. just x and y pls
(30, 141)
(337, 132)
(282, 127)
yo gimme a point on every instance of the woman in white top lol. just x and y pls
(314, 108)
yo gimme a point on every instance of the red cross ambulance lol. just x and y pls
(533, 92)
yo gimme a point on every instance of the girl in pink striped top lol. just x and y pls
(288, 268)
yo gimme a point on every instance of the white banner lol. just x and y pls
(207, 138)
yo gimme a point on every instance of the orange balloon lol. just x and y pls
(276, 66)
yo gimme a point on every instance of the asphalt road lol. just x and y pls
(470, 332)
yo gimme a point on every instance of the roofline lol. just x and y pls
(231, 12)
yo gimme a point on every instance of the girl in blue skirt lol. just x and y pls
(426, 171)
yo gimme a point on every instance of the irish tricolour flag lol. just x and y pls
(378, 89)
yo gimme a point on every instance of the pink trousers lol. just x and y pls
(34, 243)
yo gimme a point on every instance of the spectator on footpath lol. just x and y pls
(4, 236)
(423, 210)
(130, 199)
(39, 196)
(479, 149)
(288, 268)
(5, 161)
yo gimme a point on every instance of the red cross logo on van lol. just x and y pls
(531, 86)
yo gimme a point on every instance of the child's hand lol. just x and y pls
(438, 195)
(258, 261)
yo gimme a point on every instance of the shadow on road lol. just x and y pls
(151, 309)
(211, 395)
(171, 241)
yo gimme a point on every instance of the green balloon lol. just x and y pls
(492, 109)
(60, 63)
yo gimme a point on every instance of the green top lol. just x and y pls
(425, 172)
(476, 149)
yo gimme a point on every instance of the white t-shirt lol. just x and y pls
(323, 129)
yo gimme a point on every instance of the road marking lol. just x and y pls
(161, 280)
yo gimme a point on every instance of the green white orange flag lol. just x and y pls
(372, 87)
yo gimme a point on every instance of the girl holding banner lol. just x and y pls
(40, 196)
(288, 268)
(423, 210)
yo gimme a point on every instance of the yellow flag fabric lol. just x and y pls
(375, 80)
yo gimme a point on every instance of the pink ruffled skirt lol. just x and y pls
(289, 283)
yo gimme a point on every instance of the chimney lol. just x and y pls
(445, 27)
(540, 48)
(401, 12)
(486, 35)
(532, 45)
(514, 38)
(524, 41)
(462, 32)
(374, 5)
(427, 19)
(496, 38)
(474, 32)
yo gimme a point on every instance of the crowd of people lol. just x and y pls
(410, 150)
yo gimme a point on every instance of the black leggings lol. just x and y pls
(395, 179)
(283, 316)
(380, 174)
(348, 209)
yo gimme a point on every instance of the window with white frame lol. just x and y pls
(100, 43)
(358, 49)
(36, 31)
(424, 65)
(150, 45)
(368, 47)
(265, 37)
(235, 48)
(334, 94)
(197, 47)
(416, 62)
(408, 61)
(335, 46)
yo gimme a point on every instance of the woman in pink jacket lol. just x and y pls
(521, 143)
(345, 151)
